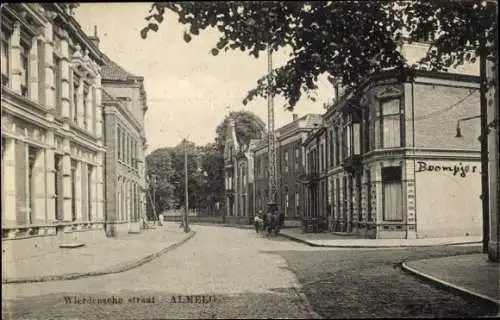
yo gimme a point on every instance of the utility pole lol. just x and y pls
(485, 193)
(186, 227)
(273, 199)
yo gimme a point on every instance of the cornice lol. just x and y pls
(76, 31)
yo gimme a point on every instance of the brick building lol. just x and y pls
(394, 166)
(124, 102)
(290, 166)
(52, 142)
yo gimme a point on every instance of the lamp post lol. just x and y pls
(186, 206)
(273, 201)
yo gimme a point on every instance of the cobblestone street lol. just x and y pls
(245, 275)
(224, 263)
(370, 284)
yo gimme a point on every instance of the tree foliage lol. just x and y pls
(247, 125)
(457, 31)
(205, 177)
(344, 39)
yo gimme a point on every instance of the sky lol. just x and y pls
(189, 90)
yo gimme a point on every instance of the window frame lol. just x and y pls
(24, 53)
(381, 117)
(5, 39)
(388, 178)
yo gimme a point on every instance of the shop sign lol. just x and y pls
(452, 169)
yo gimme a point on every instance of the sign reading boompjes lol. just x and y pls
(460, 169)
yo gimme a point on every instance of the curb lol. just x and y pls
(117, 269)
(446, 285)
(313, 314)
(311, 244)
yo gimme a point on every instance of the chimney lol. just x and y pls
(295, 116)
(95, 38)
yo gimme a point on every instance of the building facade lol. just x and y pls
(290, 166)
(125, 105)
(238, 177)
(395, 166)
(52, 139)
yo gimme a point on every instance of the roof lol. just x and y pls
(112, 71)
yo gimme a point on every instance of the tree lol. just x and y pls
(159, 164)
(247, 125)
(213, 188)
(457, 31)
(343, 39)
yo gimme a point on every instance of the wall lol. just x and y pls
(447, 198)
(130, 91)
(437, 108)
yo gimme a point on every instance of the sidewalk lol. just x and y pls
(112, 255)
(470, 274)
(327, 239)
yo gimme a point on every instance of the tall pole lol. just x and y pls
(186, 228)
(484, 144)
(270, 136)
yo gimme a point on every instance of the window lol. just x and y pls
(358, 195)
(135, 155)
(94, 110)
(297, 201)
(388, 124)
(337, 196)
(73, 190)
(366, 131)
(86, 107)
(76, 107)
(32, 158)
(369, 195)
(392, 196)
(351, 197)
(124, 149)
(90, 170)
(119, 144)
(297, 158)
(322, 157)
(25, 51)
(57, 84)
(330, 162)
(58, 176)
(337, 147)
(286, 161)
(5, 47)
